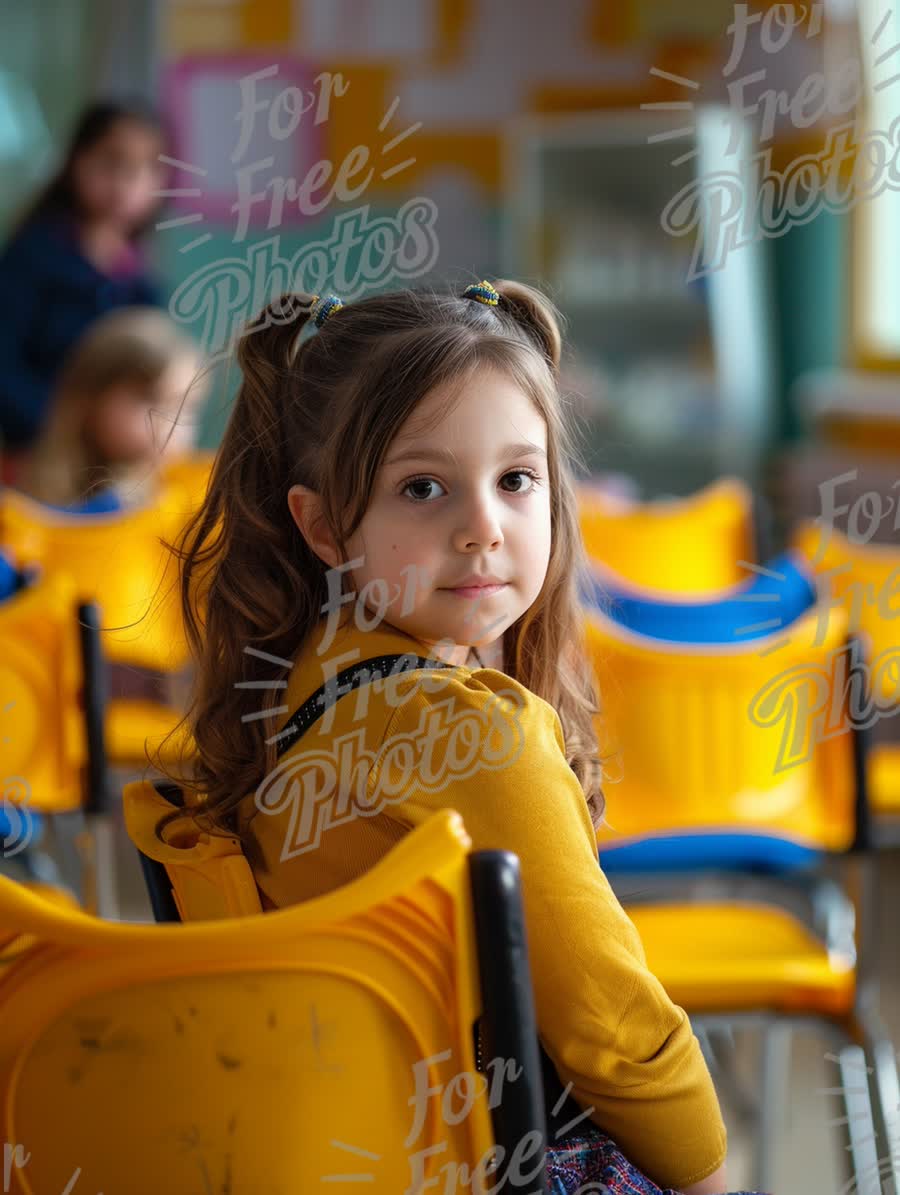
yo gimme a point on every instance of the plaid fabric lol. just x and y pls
(589, 1163)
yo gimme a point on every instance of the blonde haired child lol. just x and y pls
(396, 487)
(127, 398)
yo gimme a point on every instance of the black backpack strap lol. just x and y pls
(345, 682)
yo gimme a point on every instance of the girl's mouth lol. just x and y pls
(473, 591)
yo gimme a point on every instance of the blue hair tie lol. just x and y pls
(322, 307)
(482, 292)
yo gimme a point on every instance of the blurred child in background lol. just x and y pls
(75, 256)
(127, 401)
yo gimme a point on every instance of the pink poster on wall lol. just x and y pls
(244, 132)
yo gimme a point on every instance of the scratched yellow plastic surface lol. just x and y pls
(733, 738)
(685, 546)
(116, 560)
(268, 1053)
(734, 957)
(43, 747)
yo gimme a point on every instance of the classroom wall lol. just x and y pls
(454, 72)
(459, 71)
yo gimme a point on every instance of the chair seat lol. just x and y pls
(649, 829)
(131, 723)
(742, 957)
(884, 780)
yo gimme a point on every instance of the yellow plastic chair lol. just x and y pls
(699, 734)
(277, 1052)
(191, 473)
(43, 738)
(681, 546)
(190, 875)
(749, 741)
(114, 559)
(52, 747)
(118, 561)
(864, 581)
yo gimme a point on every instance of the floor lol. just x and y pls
(808, 1155)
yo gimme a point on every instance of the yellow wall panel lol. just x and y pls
(478, 153)
(454, 18)
(355, 116)
(611, 24)
(657, 20)
(199, 29)
(268, 24)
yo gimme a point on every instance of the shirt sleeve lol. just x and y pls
(23, 393)
(145, 291)
(605, 1021)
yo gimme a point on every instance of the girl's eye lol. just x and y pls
(419, 484)
(526, 475)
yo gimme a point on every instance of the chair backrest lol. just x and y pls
(864, 579)
(268, 1052)
(116, 560)
(783, 590)
(44, 740)
(191, 875)
(747, 739)
(686, 545)
(192, 472)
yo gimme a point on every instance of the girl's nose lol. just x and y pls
(479, 528)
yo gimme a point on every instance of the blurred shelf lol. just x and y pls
(585, 196)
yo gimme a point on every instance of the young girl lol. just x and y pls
(127, 395)
(75, 256)
(396, 489)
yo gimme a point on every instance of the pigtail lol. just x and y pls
(536, 314)
(270, 342)
(248, 578)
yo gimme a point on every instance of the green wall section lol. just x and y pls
(204, 274)
(811, 270)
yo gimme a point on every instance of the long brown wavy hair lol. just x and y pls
(322, 413)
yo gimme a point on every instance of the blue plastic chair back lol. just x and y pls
(769, 601)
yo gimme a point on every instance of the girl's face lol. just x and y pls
(133, 424)
(120, 427)
(456, 538)
(116, 178)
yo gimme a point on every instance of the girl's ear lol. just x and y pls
(306, 511)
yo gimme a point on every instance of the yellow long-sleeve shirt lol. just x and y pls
(479, 742)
